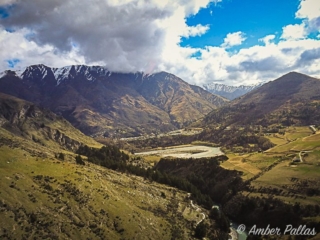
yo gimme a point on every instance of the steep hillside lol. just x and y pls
(28, 121)
(293, 99)
(46, 198)
(46, 195)
(99, 102)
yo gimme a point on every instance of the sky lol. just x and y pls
(234, 42)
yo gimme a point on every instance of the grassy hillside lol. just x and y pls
(44, 194)
(49, 198)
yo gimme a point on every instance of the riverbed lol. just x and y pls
(190, 151)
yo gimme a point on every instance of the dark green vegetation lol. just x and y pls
(208, 182)
(231, 139)
(231, 192)
(112, 158)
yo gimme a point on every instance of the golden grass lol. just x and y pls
(119, 206)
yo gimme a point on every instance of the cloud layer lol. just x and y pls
(145, 35)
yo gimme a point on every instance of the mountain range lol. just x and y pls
(293, 99)
(45, 194)
(230, 92)
(104, 103)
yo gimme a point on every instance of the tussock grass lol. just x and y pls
(72, 201)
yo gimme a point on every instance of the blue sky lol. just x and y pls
(201, 41)
(256, 18)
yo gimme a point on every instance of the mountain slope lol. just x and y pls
(229, 92)
(46, 196)
(27, 121)
(99, 102)
(291, 99)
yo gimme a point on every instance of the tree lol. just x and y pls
(61, 156)
(214, 213)
(201, 230)
(79, 160)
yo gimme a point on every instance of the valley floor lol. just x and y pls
(279, 171)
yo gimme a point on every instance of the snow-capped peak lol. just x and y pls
(230, 92)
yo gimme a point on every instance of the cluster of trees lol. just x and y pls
(233, 138)
(225, 187)
(208, 183)
(111, 157)
(103, 156)
(206, 175)
(249, 210)
(164, 141)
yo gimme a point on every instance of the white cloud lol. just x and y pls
(197, 30)
(292, 32)
(309, 9)
(126, 35)
(233, 39)
(15, 46)
(135, 35)
(267, 39)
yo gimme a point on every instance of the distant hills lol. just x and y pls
(103, 103)
(293, 99)
(100, 102)
(229, 92)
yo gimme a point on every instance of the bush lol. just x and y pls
(79, 160)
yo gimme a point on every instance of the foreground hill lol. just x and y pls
(291, 99)
(99, 102)
(52, 199)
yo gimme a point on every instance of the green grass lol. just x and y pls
(152, 159)
(296, 139)
(312, 157)
(99, 202)
(293, 133)
(277, 139)
(307, 143)
(280, 176)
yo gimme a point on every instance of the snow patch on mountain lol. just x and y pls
(230, 92)
(61, 73)
(90, 73)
